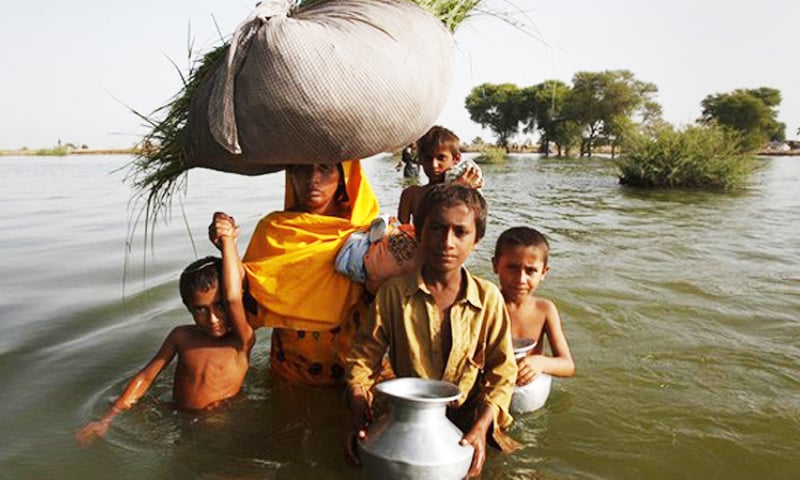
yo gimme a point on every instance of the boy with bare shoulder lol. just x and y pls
(214, 353)
(520, 262)
(438, 152)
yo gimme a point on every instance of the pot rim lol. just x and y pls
(523, 345)
(422, 390)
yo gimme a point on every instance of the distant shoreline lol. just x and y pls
(32, 152)
(133, 151)
(774, 153)
(109, 151)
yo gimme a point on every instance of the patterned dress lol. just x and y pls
(293, 288)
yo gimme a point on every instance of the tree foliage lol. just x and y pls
(605, 102)
(751, 112)
(499, 108)
(608, 107)
(545, 103)
(599, 105)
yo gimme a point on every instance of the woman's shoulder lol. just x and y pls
(279, 216)
(272, 215)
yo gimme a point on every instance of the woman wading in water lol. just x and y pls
(289, 270)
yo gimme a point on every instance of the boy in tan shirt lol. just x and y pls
(442, 323)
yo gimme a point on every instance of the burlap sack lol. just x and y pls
(340, 80)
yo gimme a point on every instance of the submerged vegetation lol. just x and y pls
(707, 157)
(59, 151)
(489, 154)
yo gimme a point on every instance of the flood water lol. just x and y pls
(682, 310)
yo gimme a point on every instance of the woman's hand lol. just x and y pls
(529, 367)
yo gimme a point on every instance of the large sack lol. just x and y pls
(340, 80)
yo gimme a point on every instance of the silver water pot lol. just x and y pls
(532, 396)
(415, 440)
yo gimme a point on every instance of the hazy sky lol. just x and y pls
(70, 70)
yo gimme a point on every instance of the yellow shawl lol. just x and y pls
(289, 262)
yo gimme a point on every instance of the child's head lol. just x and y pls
(200, 292)
(438, 152)
(449, 223)
(520, 260)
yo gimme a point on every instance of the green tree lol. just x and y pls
(566, 136)
(499, 108)
(545, 104)
(604, 104)
(751, 112)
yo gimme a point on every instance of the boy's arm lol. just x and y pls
(561, 363)
(500, 367)
(134, 390)
(227, 234)
(404, 209)
(500, 370)
(214, 235)
(472, 176)
(363, 365)
(477, 438)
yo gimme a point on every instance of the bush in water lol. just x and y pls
(491, 155)
(702, 157)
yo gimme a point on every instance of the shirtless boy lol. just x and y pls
(520, 262)
(214, 353)
(438, 152)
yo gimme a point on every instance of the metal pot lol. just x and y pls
(415, 440)
(532, 396)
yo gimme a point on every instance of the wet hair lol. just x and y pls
(434, 138)
(444, 195)
(202, 275)
(524, 237)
